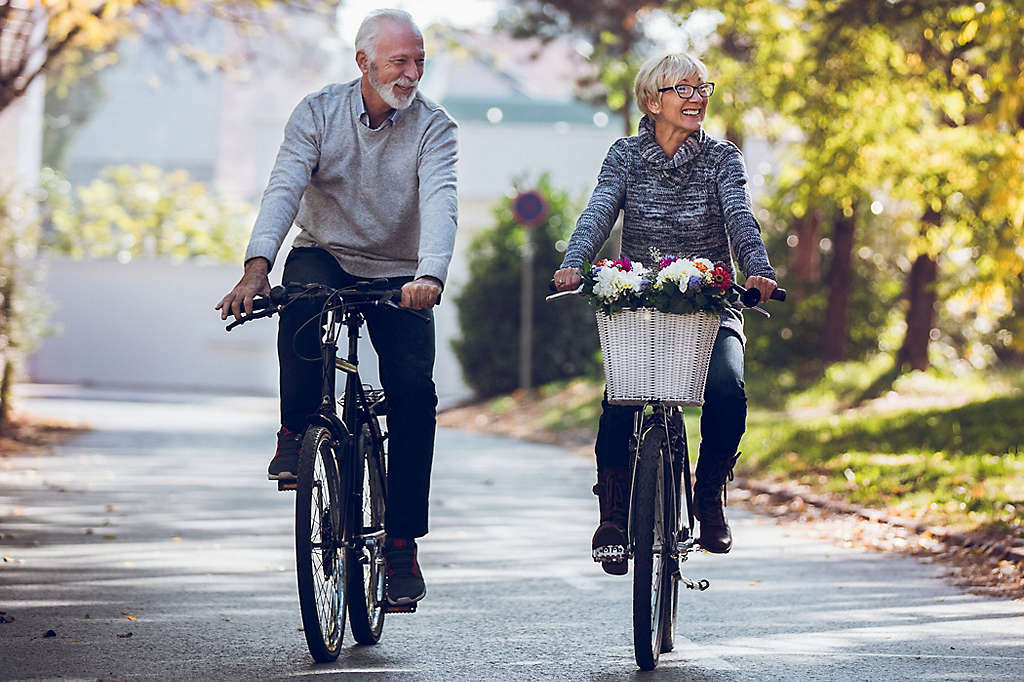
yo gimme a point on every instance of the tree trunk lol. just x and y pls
(627, 120)
(806, 265)
(840, 282)
(920, 293)
(6, 348)
(734, 135)
(5, 394)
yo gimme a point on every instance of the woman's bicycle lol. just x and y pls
(341, 484)
(661, 526)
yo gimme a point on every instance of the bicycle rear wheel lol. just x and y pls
(365, 564)
(318, 520)
(649, 548)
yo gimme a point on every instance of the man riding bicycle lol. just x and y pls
(367, 172)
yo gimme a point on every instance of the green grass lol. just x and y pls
(962, 466)
(945, 448)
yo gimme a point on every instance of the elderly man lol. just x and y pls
(367, 172)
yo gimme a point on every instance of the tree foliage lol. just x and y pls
(610, 30)
(897, 207)
(22, 310)
(66, 36)
(144, 211)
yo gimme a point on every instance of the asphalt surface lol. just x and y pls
(153, 548)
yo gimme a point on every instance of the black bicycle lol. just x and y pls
(341, 485)
(661, 526)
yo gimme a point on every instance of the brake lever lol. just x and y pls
(267, 312)
(759, 310)
(418, 313)
(560, 294)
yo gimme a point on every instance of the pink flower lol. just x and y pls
(624, 264)
(667, 261)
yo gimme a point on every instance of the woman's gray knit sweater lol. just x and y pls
(694, 204)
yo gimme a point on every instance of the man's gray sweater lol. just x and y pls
(383, 201)
(694, 204)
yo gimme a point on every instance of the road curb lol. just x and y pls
(997, 549)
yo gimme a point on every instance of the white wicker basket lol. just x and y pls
(651, 355)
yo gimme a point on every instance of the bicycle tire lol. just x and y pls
(648, 534)
(365, 566)
(319, 568)
(672, 507)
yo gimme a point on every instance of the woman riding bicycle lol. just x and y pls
(682, 192)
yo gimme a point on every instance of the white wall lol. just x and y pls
(151, 325)
(21, 132)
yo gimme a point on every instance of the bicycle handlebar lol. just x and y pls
(366, 294)
(748, 297)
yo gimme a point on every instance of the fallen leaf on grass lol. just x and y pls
(109, 537)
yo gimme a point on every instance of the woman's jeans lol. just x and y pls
(722, 420)
(405, 349)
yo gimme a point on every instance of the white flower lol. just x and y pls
(610, 283)
(678, 271)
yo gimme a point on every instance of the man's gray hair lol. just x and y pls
(366, 37)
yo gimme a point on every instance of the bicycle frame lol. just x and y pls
(356, 409)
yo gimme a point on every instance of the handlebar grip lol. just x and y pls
(278, 296)
(751, 297)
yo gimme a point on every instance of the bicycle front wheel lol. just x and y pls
(365, 563)
(649, 548)
(318, 520)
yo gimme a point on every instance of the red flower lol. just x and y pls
(720, 277)
(624, 264)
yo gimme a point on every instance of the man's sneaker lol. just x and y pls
(404, 579)
(285, 465)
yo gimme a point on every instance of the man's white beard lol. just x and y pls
(387, 92)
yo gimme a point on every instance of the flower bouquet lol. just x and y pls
(677, 285)
(657, 325)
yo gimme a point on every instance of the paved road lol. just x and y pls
(158, 525)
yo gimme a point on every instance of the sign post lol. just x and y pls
(530, 209)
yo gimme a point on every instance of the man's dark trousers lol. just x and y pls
(405, 348)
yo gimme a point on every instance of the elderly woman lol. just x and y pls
(682, 192)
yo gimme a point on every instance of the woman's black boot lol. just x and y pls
(610, 542)
(709, 501)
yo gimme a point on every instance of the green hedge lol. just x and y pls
(565, 336)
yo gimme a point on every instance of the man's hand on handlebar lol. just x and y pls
(421, 293)
(763, 284)
(567, 279)
(254, 282)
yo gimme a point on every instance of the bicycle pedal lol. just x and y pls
(287, 484)
(401, 608)
(609, 553)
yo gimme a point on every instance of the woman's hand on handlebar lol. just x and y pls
(763, 284)
(422, 292)
(254, 282)
(567, 279)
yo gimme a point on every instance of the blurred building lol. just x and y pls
(517, 115)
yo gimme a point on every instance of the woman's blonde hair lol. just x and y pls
(662, 72)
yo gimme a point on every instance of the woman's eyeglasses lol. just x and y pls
(686, 91)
